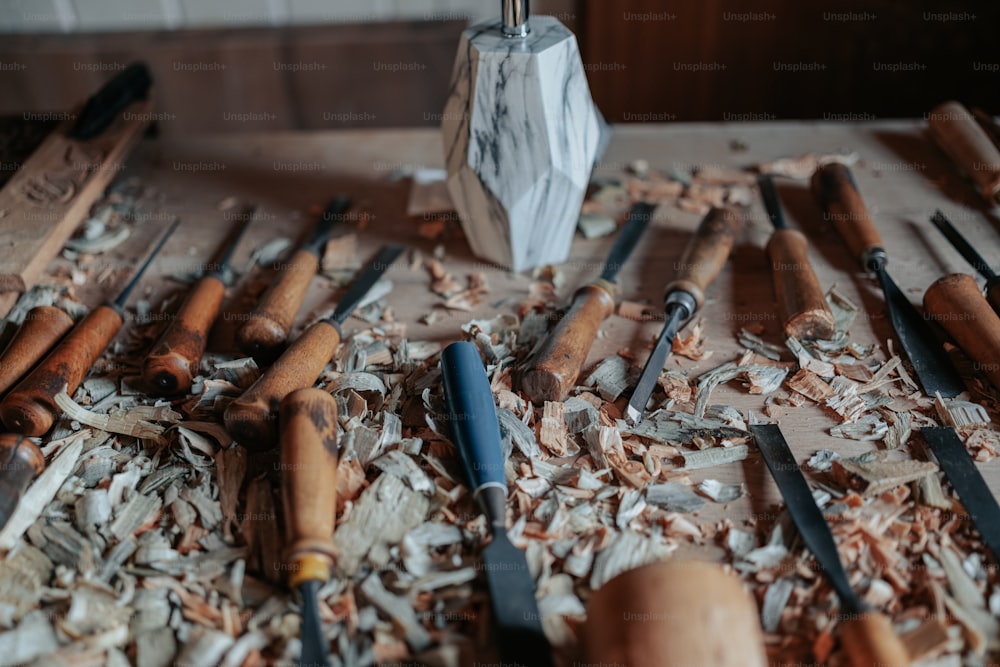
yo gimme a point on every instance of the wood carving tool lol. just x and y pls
(42, 328)
(309, 498)
(265, 333)
(956, 132)
(971, 256)
(702, 261)
(834, 188)
(476, 432)
(801, 301)
(554, 367)
(676, 612)
(250, 419)
(30, 407)
(957, 304)
(519, 87)
(173, 361)
(20, 462)
(866, 634)
(53, 191)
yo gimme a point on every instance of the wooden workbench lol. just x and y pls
(902, 176)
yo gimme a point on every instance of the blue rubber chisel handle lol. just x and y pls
(472, 415)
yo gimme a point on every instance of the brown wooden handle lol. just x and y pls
(266, 332)
(251, 418)
(869, 640)
(30, 407)
(20, 462)
(707, 252)
(801, 300)
(173, 361)
(956, 132)
(557, 363)
(308, 419)
(674, 614)
(834, 189)
(42, 328)
(956, 303)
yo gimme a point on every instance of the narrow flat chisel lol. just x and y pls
(476, 432)
(804, 311)
(866, 634)
(554, 367)
(834, 188)
(251, 418)
(702, 261)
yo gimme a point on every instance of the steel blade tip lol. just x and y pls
(633, 415)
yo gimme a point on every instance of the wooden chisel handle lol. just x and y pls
(956, 132)
(557, 363)
(251, 418)
(308, 420)
(835, 190)
(706, 253)
(676, 613)
(42, 328)
(20, 462)
(956, 303)
(868, 639)
(173, 361)
(30, 407)
(801, 300)
(266, 332)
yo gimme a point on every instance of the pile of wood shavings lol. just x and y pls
(168, 549)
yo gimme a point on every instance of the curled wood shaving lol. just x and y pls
(137, 421)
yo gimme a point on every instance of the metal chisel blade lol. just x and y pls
(772, 204)
(635, 225)
(519, 635)
(968, 482)
(801, 505)
(357, 291)
(314, 650)
(962, 245)
(926, 353)
(654, 365)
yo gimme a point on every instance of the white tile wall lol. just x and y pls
(99, 15)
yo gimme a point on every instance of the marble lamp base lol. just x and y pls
(521, 136)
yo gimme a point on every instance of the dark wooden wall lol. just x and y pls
(644, 57)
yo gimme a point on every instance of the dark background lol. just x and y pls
(642, 58)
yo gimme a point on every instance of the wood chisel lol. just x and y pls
(476, 432)
(702, 261)
(835, 190)
(172, 362)
(251, 418)
(957, 304)
(309, 498)
(956, 132)
(30, 408)
(866, 634)
(42, 328)
(265, 333)
(970, 255)
(555, 366)
(801, 301)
